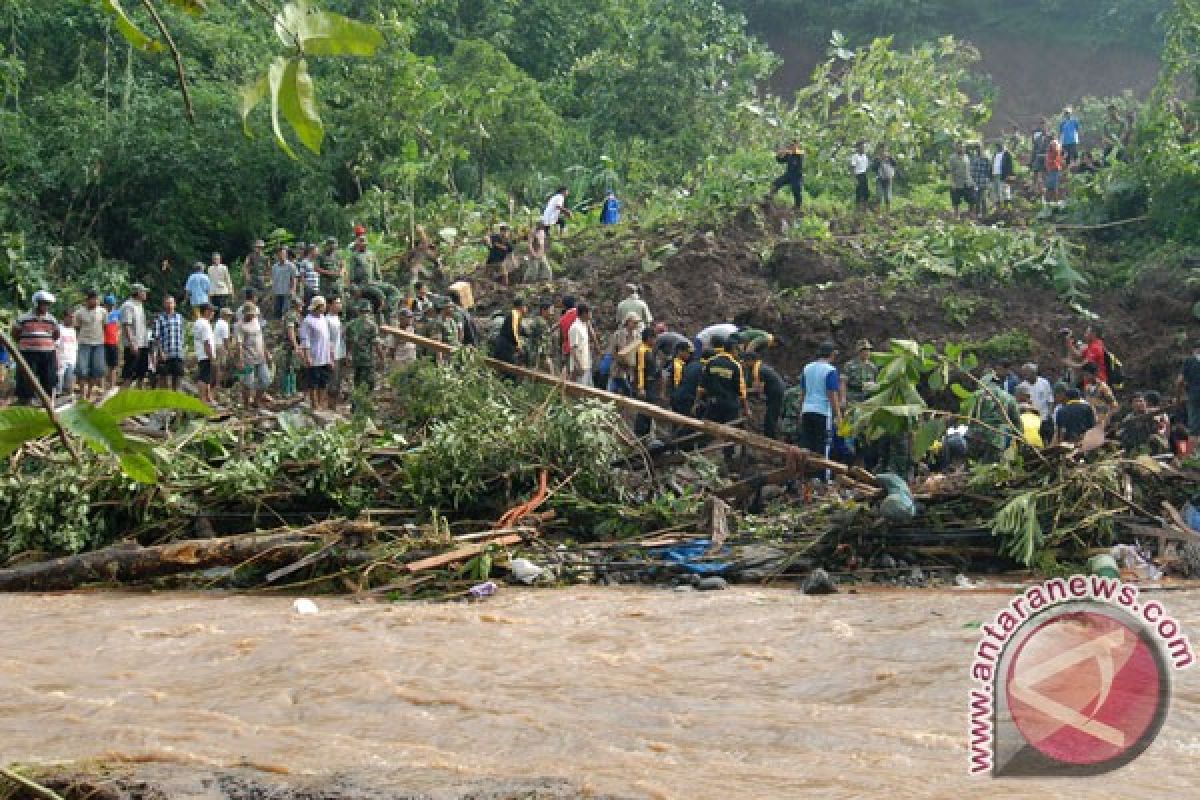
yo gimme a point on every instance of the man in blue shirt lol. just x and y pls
(1068, 131)
(198, 285)
(821, 408)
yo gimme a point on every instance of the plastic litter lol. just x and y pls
(524, 570)
(304, 606)
(482, 590)
(1129, 557)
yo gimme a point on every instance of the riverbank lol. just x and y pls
(623, 692)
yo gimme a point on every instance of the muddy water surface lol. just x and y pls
(641, 693)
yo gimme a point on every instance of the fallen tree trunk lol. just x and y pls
(132, 564)
(716, 429)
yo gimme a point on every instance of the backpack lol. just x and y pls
(1115, 369)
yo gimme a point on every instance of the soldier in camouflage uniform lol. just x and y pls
(256, 269)
(446, 327)
(290, 363)
(860, 374)
(368, 281)
(543, 340)
(789, 419)
(331, 268)
(364, 350)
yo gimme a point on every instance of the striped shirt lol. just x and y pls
(36, 334)
(312, 278)
(168, 333)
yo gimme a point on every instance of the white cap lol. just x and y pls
(42, 296)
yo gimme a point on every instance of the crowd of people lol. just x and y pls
(982, 175)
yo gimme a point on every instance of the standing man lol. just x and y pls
(36, 333)
(634, 304)
(542, 340)
(220, 290)
(1002, 173)
(331, 269)
(860, 164)
(136, 337)
(1037, 159)
(646, 376)
(579, 353)
(556, 211)
(337, 342)
(1089, 351)
(500, 252)
(168, 344)
(821, 409)
(307, 269)
(256, 268)
(252, 360)
(112, 339)
(1189, 383)
(364, 349)
(723, 384)
(89, 322)
(981, 174)
(204, 341)
(1055, 164)
(792, 157)
(283, 282)
(685, 375)
(1068, 131)
(766, 380)
(508, 346)
(317, 351)
(858, 375)
(198, 286)
(959, 168)
(291, 358)
(537, 268)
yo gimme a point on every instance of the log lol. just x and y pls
(716, 429)
(132, 564)
(462, 553)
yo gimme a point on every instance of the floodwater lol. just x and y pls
(746, 693)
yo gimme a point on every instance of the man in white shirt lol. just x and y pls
(579, 363)
(1041, 393)
(206, 351)
(556, 212)
(220, 293)
(136, 336)
(860, 162)
(317, 350)
(337, 341)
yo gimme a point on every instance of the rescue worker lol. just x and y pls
(507, 343)
(645, 379)
(723, 385)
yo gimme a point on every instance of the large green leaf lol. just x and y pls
(138, 467)
(931, 431)
(132, 33)
(99, 430)
(131, 402)
(298, 102)
(322, 33)
(275, 76)
(194, 7)
(252, 95)
(19, 425)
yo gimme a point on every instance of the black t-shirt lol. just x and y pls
(773, 385)
(795, 164)
(1191, 375)
(499, 248)
(1074, 420)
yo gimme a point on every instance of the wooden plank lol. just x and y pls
(461, 554)
(716, 429)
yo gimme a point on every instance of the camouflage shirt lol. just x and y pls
(535, 342)
(363, 268)
(858, 374)
(789, 419)
(362, 335)
(291, 322)
(448, 331)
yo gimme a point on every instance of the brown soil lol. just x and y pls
(807, 297)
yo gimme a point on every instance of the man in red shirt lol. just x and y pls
(1090, 352)
(569, 315)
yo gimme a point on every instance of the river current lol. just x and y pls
(749, 693)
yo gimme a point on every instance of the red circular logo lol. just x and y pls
(1085, 688)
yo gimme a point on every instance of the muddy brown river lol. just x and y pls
(636, 693)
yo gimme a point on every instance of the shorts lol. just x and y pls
(256, 377)
(91, 362)
(1193, 414)
(112, 356)
(170, 368)
(318, 377)
(1052, 179)
(137, 363)
(204, 371)
(960, 196)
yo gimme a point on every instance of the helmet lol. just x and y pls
(42, 296)
(110, 300)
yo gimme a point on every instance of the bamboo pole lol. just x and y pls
(747, 438)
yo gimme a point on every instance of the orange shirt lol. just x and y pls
(1054, 156)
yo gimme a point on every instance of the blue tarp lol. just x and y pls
(689, 557)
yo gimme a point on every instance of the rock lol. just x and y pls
(917, 576)
(711, 583)
(818, 582)
(887, 562)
